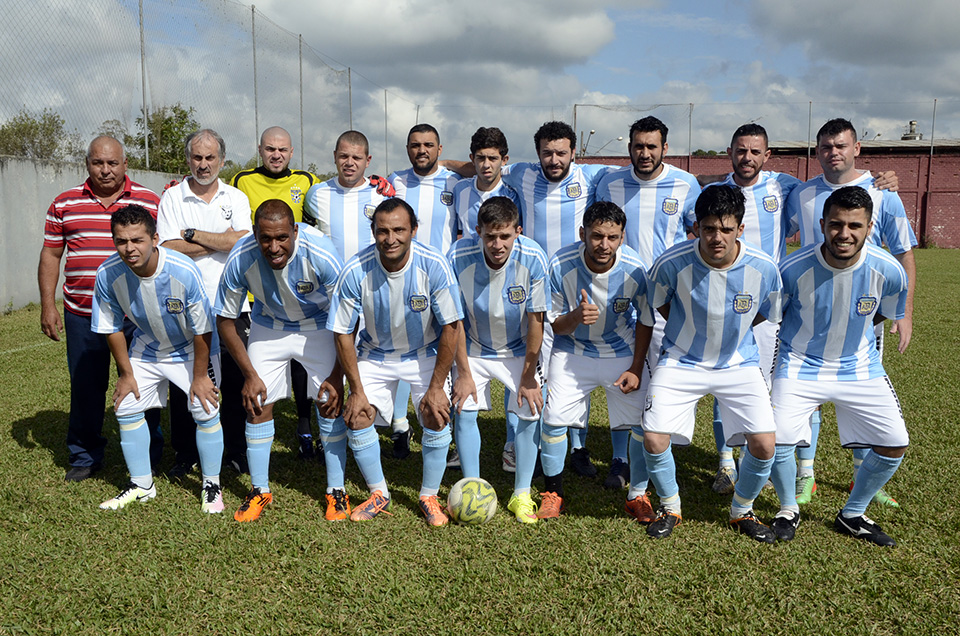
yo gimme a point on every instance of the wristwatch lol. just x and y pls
(188, 234)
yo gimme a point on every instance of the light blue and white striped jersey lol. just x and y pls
(620, 294)
(890, 224)
(403, 312)
(765, 213)
(168, 308)
(828, 314)
(659, 211)
(496, 301)
(343, 214)
(552, 213)
(712, 310)
(467, 201)
(431, 197)
(295, 298)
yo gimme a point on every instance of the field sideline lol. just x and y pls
(163, 568)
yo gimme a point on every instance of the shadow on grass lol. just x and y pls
(46, 430)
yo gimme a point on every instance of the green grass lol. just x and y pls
(163, 568)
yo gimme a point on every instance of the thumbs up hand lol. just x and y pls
(589, 313)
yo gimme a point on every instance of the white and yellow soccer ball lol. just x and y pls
(472, 501)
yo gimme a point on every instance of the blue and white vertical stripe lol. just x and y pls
(343, 214)
(765, 214)
(431, 197)
(467, 200)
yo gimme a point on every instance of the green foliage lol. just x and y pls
(231, 168)
(42, 135)
(700, 152)
(169, 127)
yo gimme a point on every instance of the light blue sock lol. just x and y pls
(259, 443)
(784, 477)
(808, 453)
(753, 475)
(400, 400)
(719, 438)
(663, 473)
(467, 434)
(210, 445)
(365, 445)
(525, 445)
(553, 449)
(333, 435)
(638, 464)
(578, 436)
(135, 443)
(620, 441)
(875, 471)
(435, 447)
(859, 454)
(512, 418)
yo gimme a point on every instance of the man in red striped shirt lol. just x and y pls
(78, 224)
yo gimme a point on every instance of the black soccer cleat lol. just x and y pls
(581, 464)
(785, 527)
(862, 527)
(401, 444)
(749, 525)
(663, 525)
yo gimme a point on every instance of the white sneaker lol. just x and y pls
(130, 493)
(211, 499)
(510, 458)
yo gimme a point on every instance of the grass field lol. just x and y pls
(163, 568)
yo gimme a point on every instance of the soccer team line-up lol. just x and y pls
(554, 278)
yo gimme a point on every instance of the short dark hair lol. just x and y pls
(354, 137)
(554, 130)
(498, 211)
(848, 198)
(133, 215)
(489, 138)
(389, 205)
(423, 128)
(602, 212)
(649, 124)
(720, 201)
(750, 130)
(274, 210)
(834, 127)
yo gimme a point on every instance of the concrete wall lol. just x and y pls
(26, 190)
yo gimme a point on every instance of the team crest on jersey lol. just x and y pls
(173, 305)
(742, 303)
(296, 193)
(620, 305)
(418, 303)
(304, 287)
(771, 203)
(446, 197)
(227, 212)
(670, 206)
(866, 305)
(574, 191)
(368, 211)
(516, 294)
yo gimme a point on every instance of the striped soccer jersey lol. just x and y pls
(467, 200)
(827, 331)
(658, 211)
(890, 224)
(552, 213)
(496, 301)
(766, 211)
(295, 298)
(620, 294)
(711, 311)
(168, 308)
(343, 214)
(431, 197)
(403, 311)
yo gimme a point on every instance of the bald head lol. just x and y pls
(106, 166)
(276, 149)
(105, 141)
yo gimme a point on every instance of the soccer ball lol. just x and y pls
(472, 501)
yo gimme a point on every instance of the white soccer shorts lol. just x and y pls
(153, 380)
(380, 379)
(768, 343)
(507, 371)
(573, 377)
(868, 411)
(741, 393)
(271, 351)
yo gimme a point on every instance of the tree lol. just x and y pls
(40, 136)
(700, 152)
(169, 127)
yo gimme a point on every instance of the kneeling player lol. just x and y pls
(712, 290)
(833, 294)
(161, 292)
(598, 288)
(503, 279)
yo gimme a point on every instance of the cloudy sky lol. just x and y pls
(512, 64)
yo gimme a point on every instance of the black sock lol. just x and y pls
(554, 484)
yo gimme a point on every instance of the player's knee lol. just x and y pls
(436, 439)
(893, 453)
(656, 443)
(762, 446)
(361, 439)
(552, 434)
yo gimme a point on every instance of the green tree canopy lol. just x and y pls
(40, 135)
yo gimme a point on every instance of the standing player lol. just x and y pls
(599, 289)
(834, 293)
(837, 150)
(290, 269)
(503, 280)
(712, 290)
(410, 303)
(658, 199)
(162, 293)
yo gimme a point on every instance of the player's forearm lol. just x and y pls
(534, 342)
(218, 241)
(187, 249)
(462, 361)
(48, 273)
(446, 350)
(909, 263)
(230, 339)
(117, 343)
(567, 323)
(201, 353)
(642, 336)
(347, 355)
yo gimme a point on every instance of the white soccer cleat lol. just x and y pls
(130, 493)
